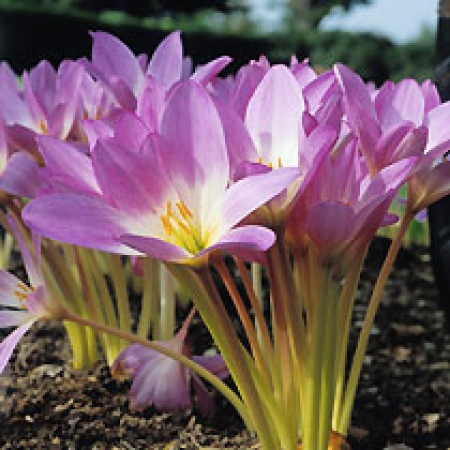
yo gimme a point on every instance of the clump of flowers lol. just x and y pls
(143, 170)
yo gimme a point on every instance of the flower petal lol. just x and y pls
(21, 176)
(248, 194)
(66, 166)
(8, 345)
(80, 220)
(192, 127)
(156, 248)
(273, 117)
(13, 318)
(243, 240)
(9, 284)
(166, 62)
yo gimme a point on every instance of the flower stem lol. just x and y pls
(250, 332)
(150, 297)
(345, 416)
(199, 283)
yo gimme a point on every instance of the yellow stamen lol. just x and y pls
(181, 229)
(43, 127)
(22, 294)
(184, 210)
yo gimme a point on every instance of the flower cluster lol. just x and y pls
(278, 166)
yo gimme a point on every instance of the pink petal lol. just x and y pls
(13, 318)
(21, 176)
(359, 109)
(248, 194)
(9, 284)
(163, 383)
(191, 125)
(204, 74)
(214, 363)
(156, 248)
(438, 129)
(8, 345)
(129, 180)
(67, 166)
(405, 104)
(78, 220)
(330, 225)
(166, 63)
(273, 117)
(114, 59)
(243, 240)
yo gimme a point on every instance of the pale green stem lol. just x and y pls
(346, 302)
(118, 278)
(256, 283)
(150, 297)
(208, 302)
(374, 302)
(6, 249)
(247, 324)
(328, 365)
(64, 285)
(321, 279)
(289, 331)
(257, 306)
(167, 307)
(112, 345)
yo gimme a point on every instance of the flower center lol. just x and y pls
(180, 227)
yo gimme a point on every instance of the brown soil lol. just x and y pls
(403, 400)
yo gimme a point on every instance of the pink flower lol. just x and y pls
(343, 207)
(163, 382)
(47, 105)
(403, 120)
(166, 196)
(23, 305)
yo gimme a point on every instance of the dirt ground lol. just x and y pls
(403, 400)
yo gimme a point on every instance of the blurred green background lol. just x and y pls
(31, 30)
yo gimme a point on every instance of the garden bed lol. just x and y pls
(403, 398)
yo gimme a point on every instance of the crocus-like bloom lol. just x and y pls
(163, 382)
(135, 84)
(343, 207)
(403, 120)
(169, 198)
(22, 304)
(47, 105)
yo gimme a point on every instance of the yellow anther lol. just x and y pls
(166, 225)
(185, 212)
(279, 162)
(22, 294)
(43, 127)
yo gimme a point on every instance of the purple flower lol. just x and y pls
(168, 195)
(163, 382)
(22, 305)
